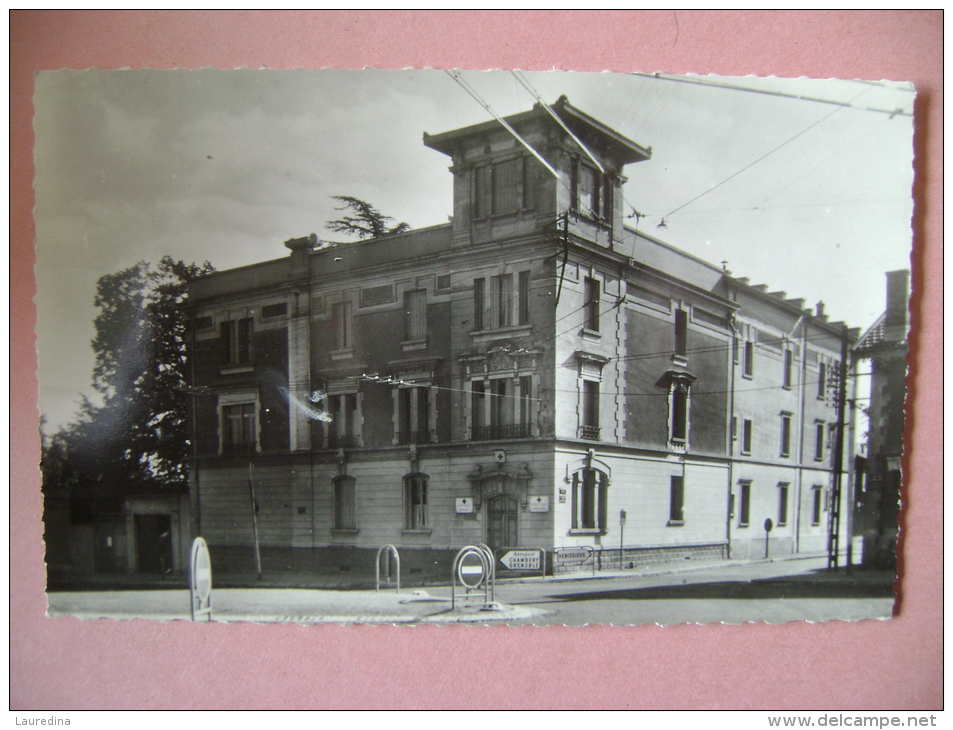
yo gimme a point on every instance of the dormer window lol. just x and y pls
(591, 193)
(503, 188)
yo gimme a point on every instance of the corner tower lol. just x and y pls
(502, 191)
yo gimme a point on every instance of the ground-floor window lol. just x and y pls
(415, 501)
(676, 510)
(783, 504)
(589, 496)
(816, 507)
(744, 506)
(345, 513)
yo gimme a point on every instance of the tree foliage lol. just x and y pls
(135, 438)
(364, 221)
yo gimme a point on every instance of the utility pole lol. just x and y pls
(833, 539)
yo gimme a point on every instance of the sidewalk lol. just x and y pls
(282, 605)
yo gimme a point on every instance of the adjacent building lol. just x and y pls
(533, 374)
(884, 348)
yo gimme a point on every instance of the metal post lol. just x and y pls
(254, 517)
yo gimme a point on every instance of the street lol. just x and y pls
(774, 592)
(759, 591)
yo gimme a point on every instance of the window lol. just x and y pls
(589, 493)
(818, 493)
(819, 441)
(480, 207)
(413, 415)
(479, 303)
(415, 502)
(524, 297)
(788, 369)
(746, 436)
(589, 426)
(679, 415)
(748, 364)
(821, 380)
(591, 192)
(744, 508)
(236, 336)
(274, 310)
(498, 411)
(783, 504)
(501, 291)
(592, 304)
(415, 315)
(344, 428)
(504, 187)
(785, 434)
(478, 409)
(734, 428)
(505, 184)
(676, 509)
(239, 433)
(341, 324)
(681, 332)
(345, 517)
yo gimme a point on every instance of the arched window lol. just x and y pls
(344, 507)
(589, 497)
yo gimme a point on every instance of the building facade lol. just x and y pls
(533, 374)
(884, 347)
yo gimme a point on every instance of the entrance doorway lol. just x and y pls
(502, 517)
(154, 544)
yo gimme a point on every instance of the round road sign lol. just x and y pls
(201, 570)
(471, 569)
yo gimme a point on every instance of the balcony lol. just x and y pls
(501, 431)
(590, 433)
(405, 438)
(344, 441)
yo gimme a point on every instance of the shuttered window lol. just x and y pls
(415, 315)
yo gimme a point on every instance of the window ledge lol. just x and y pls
(497, 332)
(591, 334)
(743, 526)
(587, 531)
(233, 369)
(408, 345)
(675, 523)
(417, 531)
(344, 531)
(342, 355)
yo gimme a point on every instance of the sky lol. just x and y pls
(809, 197)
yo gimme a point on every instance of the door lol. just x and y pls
(502, 513)
(154, 544)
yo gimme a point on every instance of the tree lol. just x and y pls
(366, 221)
(136, 437)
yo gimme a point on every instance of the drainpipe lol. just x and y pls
(799, 487)
(731, 435)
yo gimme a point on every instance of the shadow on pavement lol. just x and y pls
(818, 584)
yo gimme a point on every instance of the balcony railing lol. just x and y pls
(343, 441)
(413, 437)
(589, 432)
(507, 431)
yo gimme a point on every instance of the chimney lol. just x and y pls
(898, 292)
(819, 311)
(300, 247)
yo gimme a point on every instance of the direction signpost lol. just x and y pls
(524, 559)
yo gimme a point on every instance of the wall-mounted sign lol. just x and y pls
(464, 505)
(539, 504)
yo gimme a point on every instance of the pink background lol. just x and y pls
(63, 664)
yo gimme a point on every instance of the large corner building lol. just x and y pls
(533, 374)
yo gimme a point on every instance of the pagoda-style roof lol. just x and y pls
(590, 130)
